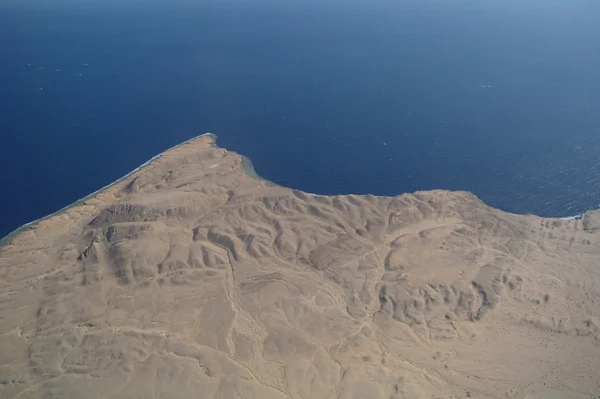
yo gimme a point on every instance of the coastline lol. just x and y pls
(247, 166)
(6, 240)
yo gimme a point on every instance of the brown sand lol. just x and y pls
(190, 279)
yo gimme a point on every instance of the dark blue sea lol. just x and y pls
(498, 97)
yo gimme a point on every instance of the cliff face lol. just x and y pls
(190, 279)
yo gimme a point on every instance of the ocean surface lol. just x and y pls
(498, 97)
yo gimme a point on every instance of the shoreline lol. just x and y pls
(6, 240)
(246, 165)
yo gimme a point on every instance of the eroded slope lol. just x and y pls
(189, 279)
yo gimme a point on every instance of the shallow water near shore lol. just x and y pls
(382, 97)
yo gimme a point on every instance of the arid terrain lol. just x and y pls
(190, 279)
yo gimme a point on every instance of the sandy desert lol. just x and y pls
(192, 279)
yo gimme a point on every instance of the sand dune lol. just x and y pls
(189, 279)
